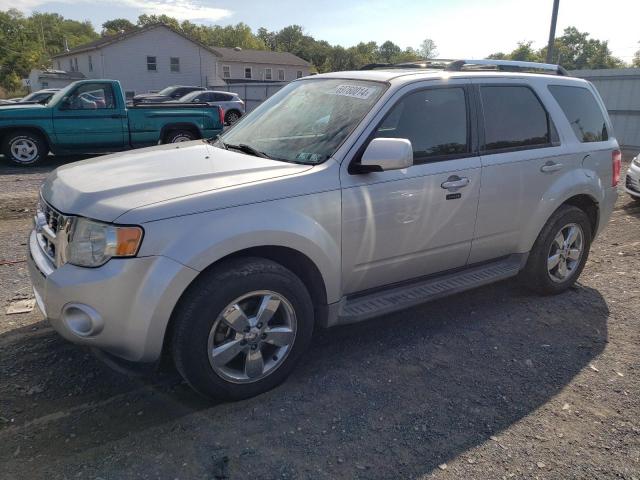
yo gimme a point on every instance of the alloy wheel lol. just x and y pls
(24, 150)
(252, 336)
(565, 253)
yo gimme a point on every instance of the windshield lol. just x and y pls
(167, 91)
(306, 121)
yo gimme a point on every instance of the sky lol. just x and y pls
(460, 28)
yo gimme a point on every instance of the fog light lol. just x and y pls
(82, 320)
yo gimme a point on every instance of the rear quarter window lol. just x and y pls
(582, 112)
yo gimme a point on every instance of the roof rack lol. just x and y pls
(475, 65)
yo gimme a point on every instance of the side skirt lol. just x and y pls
(396, 297)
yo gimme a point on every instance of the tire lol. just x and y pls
(199, 328)
(541, 273)
(231, 117)
(25, 148)
(177, 136)
(635, 199)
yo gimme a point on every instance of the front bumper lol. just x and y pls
(132, 300)
(632, 181)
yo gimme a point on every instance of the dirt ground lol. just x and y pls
(490, 384)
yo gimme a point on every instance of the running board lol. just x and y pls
(370, 305)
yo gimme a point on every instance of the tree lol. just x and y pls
(636, 59)
(428, 49)
(574, 50)
(388, 52)
(115, 26)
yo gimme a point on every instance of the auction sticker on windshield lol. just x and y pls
(355, 91)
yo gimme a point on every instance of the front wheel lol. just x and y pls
(241, 328)
(560, 252)
(25, 148)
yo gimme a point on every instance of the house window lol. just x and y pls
(281, 75)
(90, 64)
(70, 65)
(268, 74)
(226, 71)
(175, 64)
(247, 72)
(59, 66)
(151, 64)
(45, 84)
(75, 62)
(299, 74)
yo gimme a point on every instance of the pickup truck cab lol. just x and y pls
(91, 116)
(342, 197)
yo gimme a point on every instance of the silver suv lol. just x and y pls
(343, 197)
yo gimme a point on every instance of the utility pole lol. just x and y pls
(552, 31)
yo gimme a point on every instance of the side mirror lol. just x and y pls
(386, 154)
(65, 103)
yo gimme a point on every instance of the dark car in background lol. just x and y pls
(173, 92)
(41, 96)
(230, 102)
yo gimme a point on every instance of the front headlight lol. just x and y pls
(93, 243)
(636, 160)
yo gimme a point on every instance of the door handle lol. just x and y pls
(551, 167)
(455, 182)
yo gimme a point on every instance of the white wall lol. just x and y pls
(258, 71)
(126, 61)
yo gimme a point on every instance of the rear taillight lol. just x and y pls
(616, 162)
(221, 112)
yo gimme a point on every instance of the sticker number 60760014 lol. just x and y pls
(356, 91)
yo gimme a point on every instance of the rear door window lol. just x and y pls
(434, 120)
(514, 118)
(582, 112)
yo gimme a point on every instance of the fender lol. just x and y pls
(308, 224)
(5, 130)
(570, 184)
(179, 125)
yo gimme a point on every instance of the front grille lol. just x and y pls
(52, 228)
(632, 184)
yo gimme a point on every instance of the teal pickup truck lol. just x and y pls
(91, 116)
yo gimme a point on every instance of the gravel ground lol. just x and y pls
(493, 383)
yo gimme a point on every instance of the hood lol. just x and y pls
(104, 188)
(21, 108)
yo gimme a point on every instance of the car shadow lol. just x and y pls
(395, 396)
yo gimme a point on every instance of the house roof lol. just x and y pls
(110, 39)
(260, 56)
(226, 54)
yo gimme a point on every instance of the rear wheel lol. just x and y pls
(177, 136)
(241, 329)
(560, 252)
(231, 117)
(25, 148)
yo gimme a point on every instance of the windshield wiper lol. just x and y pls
(243, 147)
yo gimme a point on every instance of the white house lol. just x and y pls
(156, 56)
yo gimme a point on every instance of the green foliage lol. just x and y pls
(574, 50)
(29, 42)
(636, 59)
(428, 49)
(116, 26)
